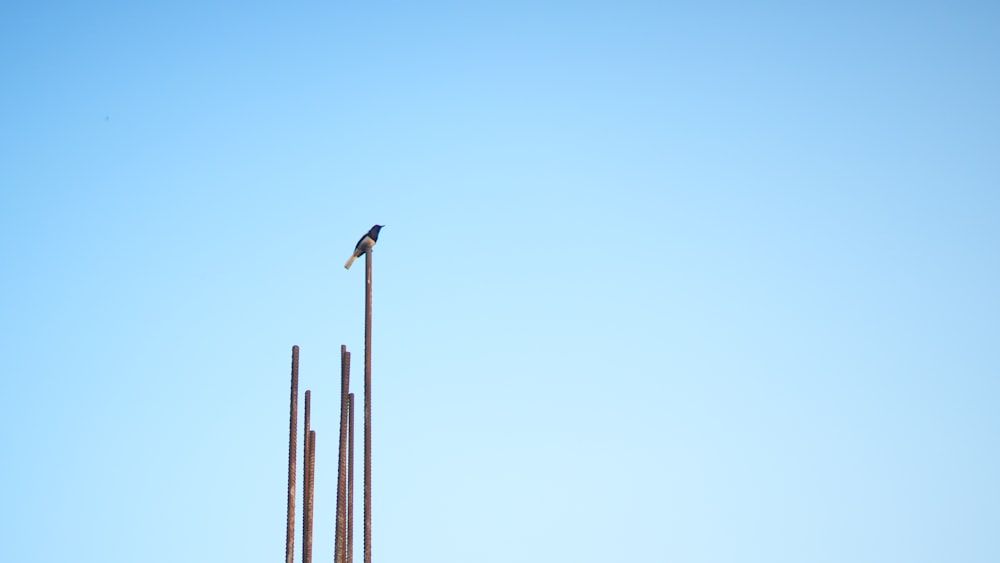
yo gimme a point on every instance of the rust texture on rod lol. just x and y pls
(305, 478)
(349, 558)
(368, 406)
(340, 537)
(312, 486)
(293, 415)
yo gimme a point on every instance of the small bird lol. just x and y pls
(364, 244)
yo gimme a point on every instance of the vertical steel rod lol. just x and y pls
(305, 479)
(368, 406)
(349, 558)
(292, 439)
(340, 537)
(312, 485)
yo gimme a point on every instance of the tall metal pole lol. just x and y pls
(349, 558)
(368, 405)
(340, 537)
(292, 439)
(306, 549)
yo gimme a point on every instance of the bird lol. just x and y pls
(367, 241)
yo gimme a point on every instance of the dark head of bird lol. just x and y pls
(373, 233)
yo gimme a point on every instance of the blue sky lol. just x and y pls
(660, 281)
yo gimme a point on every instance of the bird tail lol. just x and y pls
(347, 265)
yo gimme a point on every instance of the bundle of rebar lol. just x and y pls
(344, 533)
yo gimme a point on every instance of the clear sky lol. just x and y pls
(660, 281)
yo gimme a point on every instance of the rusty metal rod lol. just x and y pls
(349, 558)
(312, 485)
(305, 479)
(368, 406)
(292, 440)
(340, 537)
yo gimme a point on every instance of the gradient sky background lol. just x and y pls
(699, 282)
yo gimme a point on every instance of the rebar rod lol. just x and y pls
(340, 537)
(312, 485)
(305, 479)
(368, 406)
(349, 558)
(293, 413)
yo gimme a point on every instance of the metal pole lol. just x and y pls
(292, 440)
(368, 405)
(312, 485)
(306, 552)
(340, 537)
(350, 479)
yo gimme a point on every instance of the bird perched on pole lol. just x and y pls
(366, 242)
